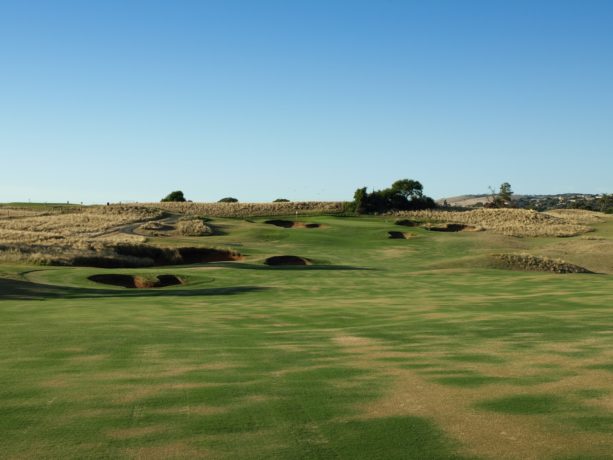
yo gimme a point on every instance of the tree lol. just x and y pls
(359, 200)
(177, 195)
(228, 199)
(281, 200)
(502, 198)
(505, 192)
(405, 194)
(410, 189)
(606, 203)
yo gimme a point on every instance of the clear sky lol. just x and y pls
(307, 100)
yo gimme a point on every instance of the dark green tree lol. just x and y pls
(177, 195)
(505, 193)
(606, 203)
(410, 189)
(404, 194)
(360, 200)
(228, 199)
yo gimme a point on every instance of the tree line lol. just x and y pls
(403, 195)
(179, 197)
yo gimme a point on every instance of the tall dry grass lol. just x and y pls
(578, 216)
(512, 222)
(89, 222)
(15, 212)
(243, 210)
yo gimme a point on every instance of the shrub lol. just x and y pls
(281, 200)
(193, 227)
(228, 199)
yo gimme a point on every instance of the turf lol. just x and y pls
(383, 348)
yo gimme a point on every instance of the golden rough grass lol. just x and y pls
(77, 226)
(14, 212)
(41, 237)
(511, 222)
(250, 209)
(578, 216)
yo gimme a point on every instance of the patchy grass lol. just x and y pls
(526, 404)
(381, 348)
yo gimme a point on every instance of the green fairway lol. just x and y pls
(382, 348)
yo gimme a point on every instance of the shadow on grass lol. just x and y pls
(218, 230)
(244, 266)
(25, 290)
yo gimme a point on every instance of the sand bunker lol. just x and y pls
(527, 262)
(401, 235)
(453, 228)
(287, 260)
(135, 281)
(291, 224)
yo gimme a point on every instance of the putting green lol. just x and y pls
(381, 348)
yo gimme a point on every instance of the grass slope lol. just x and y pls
(384, 348)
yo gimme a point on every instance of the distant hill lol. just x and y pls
(594, 202)
(465, 200)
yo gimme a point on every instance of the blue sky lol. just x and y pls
(308, 100)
